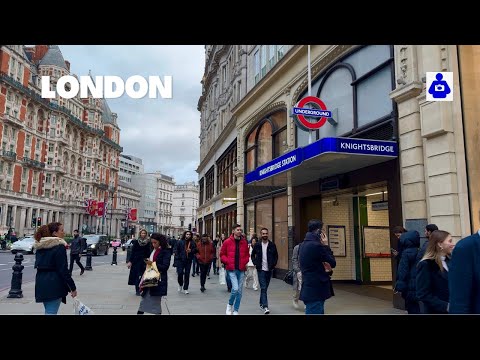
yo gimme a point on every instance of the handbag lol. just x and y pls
(80, 308)
(288, 278)
(151, 276)
(222, 276)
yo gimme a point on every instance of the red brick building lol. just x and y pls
(54, 153)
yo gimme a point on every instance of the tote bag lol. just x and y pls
(79, 308)
(222, 276)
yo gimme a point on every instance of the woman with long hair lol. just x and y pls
(136, 263)
(160, 254)
(432, 274)
(53, 280)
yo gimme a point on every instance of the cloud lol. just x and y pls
(162, 132)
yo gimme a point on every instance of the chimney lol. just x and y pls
(40, 51)
(68, 65)
(30, 52)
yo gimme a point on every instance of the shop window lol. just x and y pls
(367, 58)
(250, 219)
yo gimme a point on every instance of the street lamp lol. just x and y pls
(111, 191)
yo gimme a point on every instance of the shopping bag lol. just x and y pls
(222, 276)
(80, 308)
(151, 276)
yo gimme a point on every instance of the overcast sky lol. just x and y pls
(162, 132)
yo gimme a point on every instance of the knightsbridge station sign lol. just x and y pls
(323, 146)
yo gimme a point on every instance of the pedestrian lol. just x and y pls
(77, 246)
(407, 271)
(183, 256)
(136, 263)
(316, 261)
(252, 274)
(463, 276)
(214, 262)
(432, 274)
(161, 253)
(204, 255)
(297, 277)
(53, 281)
(397, 232)
(428, 231)
(195, 265)
(265, 258)
(234, 254)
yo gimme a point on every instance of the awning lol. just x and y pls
(323, 158)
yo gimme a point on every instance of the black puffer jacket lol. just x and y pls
(53, 281)
(407, 270)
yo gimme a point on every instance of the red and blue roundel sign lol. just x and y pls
(319, 111)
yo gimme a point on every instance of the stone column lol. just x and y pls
(3, 220)
(44, 217)
(75, 222)
(14, 217)
(442, 131)
(21, 227)
(49, 216)
(30, 218)
(412, 177)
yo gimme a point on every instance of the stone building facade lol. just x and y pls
(54, 154)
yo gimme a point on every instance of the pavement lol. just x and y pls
(105, 291)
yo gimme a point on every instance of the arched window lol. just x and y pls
(266, 141)
(357, 91)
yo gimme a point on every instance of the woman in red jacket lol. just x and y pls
(235, 255)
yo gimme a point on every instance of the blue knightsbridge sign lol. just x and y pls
(276, 166)
(323, 146)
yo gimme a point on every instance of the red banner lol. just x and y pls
(93, 207)
(100, 208)
(133, 214)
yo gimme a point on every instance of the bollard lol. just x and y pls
(114, 256)
(16, 288)
(129, 253)
(88, 266)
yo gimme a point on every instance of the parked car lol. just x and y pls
(127, 245)
(23, 245)
(98, 243)
(115, 243)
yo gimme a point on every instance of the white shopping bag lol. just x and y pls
(80, 308)
(221, 277)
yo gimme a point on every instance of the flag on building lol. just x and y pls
(133, 214)
(101, 208)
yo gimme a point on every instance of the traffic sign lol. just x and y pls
(320, 111)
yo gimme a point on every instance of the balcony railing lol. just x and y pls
(34, 163)
(8, 155)
(12, 120)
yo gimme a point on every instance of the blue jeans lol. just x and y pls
(52, 306)
(264, 280)
(315, 307)
(236, 277)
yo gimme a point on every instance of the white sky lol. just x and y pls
(162, 132)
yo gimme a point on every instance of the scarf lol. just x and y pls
(143, 242)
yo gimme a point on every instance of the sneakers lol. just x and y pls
(202, 289)
(208, 277)
(229, 309)
(235, 313)
(261, 306)
(266, 311)
(179, 288)
(82, 271)
(256, 289)
(185, 292)
(295, 305)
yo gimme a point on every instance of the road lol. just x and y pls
(28, 274)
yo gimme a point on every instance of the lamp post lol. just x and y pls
(111, 191)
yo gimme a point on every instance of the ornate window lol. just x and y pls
(266, 141)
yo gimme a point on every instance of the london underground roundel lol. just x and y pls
(319, 113)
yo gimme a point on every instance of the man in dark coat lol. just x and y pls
(464, 276)
(77, 246)
(264, 257)
(184, 253)
(316, 261)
